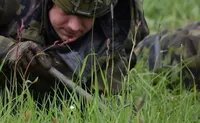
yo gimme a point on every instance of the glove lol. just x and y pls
(28, 54)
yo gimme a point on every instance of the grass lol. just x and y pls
(162, 105)
(170, 14)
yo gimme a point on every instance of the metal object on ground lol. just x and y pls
(71, 85)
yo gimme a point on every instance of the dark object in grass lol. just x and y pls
(71, 85)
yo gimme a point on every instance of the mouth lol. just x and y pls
(70, 40)
(67, 33)
(70, 34)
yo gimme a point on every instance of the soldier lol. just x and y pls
(68, 35)
(175, 53)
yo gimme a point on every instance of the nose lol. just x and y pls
(74, 24)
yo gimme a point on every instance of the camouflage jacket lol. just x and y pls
(174, 53)
(37, 28)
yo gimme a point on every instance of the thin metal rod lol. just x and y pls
(71, 85)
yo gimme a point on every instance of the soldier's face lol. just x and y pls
(69, 27)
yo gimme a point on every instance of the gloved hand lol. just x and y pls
(28, 54)
(32, 63)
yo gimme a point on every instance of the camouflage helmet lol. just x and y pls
(89, 8)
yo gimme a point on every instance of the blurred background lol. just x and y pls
(170, 14)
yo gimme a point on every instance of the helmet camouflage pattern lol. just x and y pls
(89, 8)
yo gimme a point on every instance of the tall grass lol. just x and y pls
(162, 105)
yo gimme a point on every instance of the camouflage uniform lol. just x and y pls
(174, 53)
(69, 59)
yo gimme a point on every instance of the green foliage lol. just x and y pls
(170, 14)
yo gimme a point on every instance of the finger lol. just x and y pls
(42, 59)
(30, 58)
(35, 49)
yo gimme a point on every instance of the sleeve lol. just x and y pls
(5, 45)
